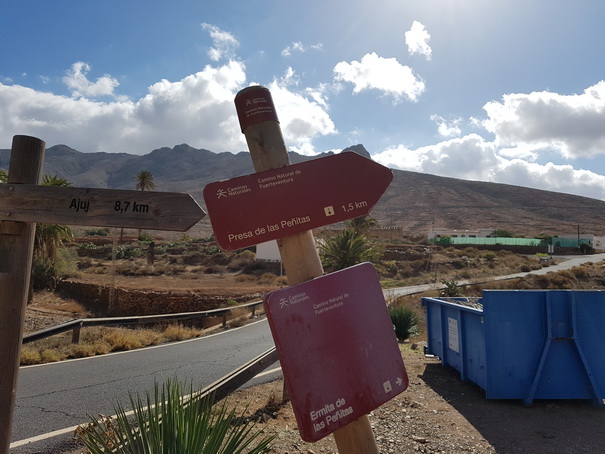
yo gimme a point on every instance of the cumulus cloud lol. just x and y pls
(417, 40)
(447, 128)
(299, 47)
(382, 74)
(570, 124)
(197, 110)
(302, 116)
(224, 43)
(473, 158)
(77, 81)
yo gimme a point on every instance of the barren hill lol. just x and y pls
(414, 201)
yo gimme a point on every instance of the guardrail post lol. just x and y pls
(16, 253)
(75, 334)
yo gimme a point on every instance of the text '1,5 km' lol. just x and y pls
(267, 205)
(99, 207)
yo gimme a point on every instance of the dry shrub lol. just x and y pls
(239, 317)
(30, 356)
(220, 259)
(51, 356)
(465, 274)
(85, 350)
(212, 269)
(581, 272)
(245, 278)
(267, 279)
(179, 332)
(241, 260)
(121, 339)
(282, 281)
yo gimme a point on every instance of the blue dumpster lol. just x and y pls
(523, 344)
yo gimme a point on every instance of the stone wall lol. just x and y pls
(125, 302)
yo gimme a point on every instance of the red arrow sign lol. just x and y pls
(337, 348)
(268, 205)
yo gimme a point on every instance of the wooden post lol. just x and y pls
(298, 252)
(16, 251)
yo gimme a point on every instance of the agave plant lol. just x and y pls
(170, 423)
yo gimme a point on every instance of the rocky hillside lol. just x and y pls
(414, 201)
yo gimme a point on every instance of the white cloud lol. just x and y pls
(473, 158)
(569, 124)
(383, 74)
(299, 47)
(80, 86)
(417, 40)
(447, 128)
(301, 118)
(224, 43)
(197, 110)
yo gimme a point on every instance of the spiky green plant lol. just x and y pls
(345, 249)
(451, 289)
(405, 322)
(170, 423)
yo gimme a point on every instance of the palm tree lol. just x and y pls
(49, 237)
(47, 240)
(362, 224)
(3, 176)
(345, 249)
(54, 180)
(144, 180)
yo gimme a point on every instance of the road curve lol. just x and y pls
(565, 263)
(61, 395)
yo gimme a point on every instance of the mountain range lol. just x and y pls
(414, 201)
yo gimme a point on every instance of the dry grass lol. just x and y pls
(102, 340)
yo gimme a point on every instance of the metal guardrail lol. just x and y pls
(78, 324)
(238, 377)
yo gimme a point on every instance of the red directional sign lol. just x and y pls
(268, 205)
(337, 348)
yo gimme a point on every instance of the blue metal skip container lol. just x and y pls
(523, 344)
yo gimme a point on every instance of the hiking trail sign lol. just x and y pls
(98, 207)
(338, 351)
(267, 205)
(23, 203)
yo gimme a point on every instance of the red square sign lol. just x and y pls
(337, 348)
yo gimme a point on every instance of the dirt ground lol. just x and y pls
(438, 413)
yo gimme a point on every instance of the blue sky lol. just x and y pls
(504, 91)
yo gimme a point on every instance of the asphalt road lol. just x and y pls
(58, 396)
(564, 262)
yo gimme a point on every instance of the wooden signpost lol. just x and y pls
(259, 123)
(22, 204)
(98, 207)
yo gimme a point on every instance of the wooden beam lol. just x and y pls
(16, 251)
